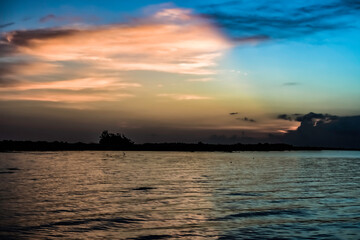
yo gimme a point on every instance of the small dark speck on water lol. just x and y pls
(151, 237)
(6, 172)
(13, 169)
(143, 188)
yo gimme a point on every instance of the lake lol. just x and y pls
(180, 195)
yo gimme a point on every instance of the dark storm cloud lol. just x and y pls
(324, 130)
(316, 116)
(6, 24)
(290, 117)
(265, 20)
(285, 117)
(307, 117)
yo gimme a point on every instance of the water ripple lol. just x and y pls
(177, 195)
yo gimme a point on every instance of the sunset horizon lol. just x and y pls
(221, 72)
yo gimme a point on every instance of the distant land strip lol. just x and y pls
(10, 146)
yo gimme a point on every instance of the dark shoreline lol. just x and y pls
(9, 146)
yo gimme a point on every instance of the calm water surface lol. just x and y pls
(175, 195)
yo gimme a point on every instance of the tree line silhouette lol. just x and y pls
(112, 139)
(119, 142)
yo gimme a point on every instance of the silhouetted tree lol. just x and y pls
(112, 139)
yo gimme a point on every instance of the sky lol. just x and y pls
(181, 71)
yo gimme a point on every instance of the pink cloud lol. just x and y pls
(75, 84)
(173, 40)
(181, 97)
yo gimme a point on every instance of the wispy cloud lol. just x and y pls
(75, 84)
(291, 84)
(246, 119)
(200, 79)
(27, 68)
(66, 19)
(6, 24)
(181, 97)
(47, 18)
(66, 97)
